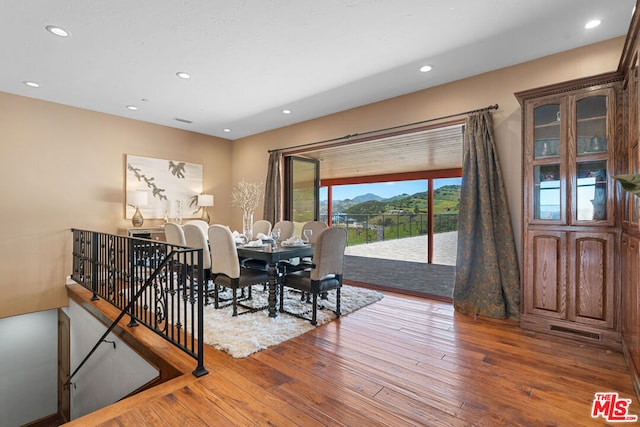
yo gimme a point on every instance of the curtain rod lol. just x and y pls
(490, 107)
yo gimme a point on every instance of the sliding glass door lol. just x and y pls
(301, 190)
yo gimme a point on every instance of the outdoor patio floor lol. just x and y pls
(400, 265)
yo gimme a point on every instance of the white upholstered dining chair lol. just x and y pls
(261, 226)
(286, 229)
(326, 274)
(196, 238)
(226, 271)
(174, 234)
(204, 226)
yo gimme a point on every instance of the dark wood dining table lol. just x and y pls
(272, 256)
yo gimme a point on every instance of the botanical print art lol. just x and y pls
(172, 186)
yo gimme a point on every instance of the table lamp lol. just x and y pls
(135, 199)
(205, 200)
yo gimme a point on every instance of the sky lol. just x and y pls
(385, 189)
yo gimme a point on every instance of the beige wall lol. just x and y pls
(496, 87)
(63, 167)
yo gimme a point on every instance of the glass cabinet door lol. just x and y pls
(591, 125)
(591, 184)
(591, 191)
(546, 132)
(547, 197)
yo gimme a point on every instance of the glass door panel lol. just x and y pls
(547, 195)
(591, 115)
(302, 179)
(591, 191)
(546, 132)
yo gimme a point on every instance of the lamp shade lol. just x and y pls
(137, 198)
(205, 200)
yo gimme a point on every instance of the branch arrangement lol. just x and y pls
(246, 195)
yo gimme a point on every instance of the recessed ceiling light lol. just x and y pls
(183, 75)
(286, 111)
(58, 31)
(31, 84)
(426, 68)
(226, 130)
(592, 24)
(132, 107)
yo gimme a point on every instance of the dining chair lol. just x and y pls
(286, 229)
(196, 238)
(326, 274)
(226, 271)
(261, 226)
(204, 225)
(316, 227)
(174, 234)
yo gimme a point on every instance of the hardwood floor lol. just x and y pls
(403, 361)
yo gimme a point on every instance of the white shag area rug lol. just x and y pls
(247, 333)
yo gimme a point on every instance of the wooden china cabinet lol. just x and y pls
(629, 204)
(571, 232)
(581, 245)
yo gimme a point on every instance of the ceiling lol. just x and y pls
(250, 59)
(438, 148)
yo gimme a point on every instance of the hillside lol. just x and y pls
(445, 199)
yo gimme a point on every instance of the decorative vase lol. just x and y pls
(137, 220)
(247, 225)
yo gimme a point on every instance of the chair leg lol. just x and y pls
(216, 293)
(338, 302)
(235, 302)
(314, 315)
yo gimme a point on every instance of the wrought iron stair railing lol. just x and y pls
(156, 284)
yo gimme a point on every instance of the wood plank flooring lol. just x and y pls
(403, 361)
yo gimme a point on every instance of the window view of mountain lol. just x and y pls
(446, 199)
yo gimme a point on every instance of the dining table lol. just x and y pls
(272, 255)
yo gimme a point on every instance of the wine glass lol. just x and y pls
(307, 235)
(275, 235)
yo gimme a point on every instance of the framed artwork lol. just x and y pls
(172, 187)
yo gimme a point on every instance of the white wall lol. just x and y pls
(75, 161)
(109, 374)
(28, 367)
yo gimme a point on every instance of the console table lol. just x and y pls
(153, 233)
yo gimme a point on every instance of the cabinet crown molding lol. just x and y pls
(592, 82)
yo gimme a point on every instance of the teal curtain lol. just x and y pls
(487, 281)
(273, 190)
